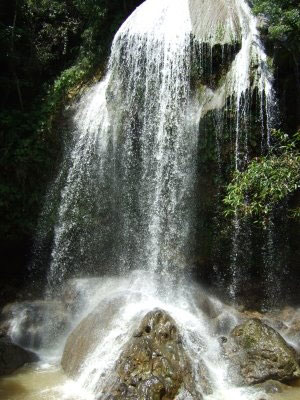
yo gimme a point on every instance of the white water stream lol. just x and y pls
(127, 192)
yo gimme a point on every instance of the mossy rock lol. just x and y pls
(257, 353)
(153, 365)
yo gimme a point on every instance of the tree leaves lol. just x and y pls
(266, 181)
(283, 17)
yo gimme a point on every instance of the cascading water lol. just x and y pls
(136, 139)
(252, 52)
(127, 187)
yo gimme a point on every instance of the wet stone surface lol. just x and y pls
(257, 353)
(154, 364)
(13, 357)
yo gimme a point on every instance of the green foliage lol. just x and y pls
(53, 26)
(49, 49)
(283, 17)
(267, 181)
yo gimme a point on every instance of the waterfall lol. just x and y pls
(127, 192)
(127, 187)
(135, 139)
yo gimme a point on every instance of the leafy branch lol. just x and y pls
(266, 182)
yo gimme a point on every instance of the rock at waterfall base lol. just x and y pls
(39, 321)
(13, 357)
(152, 366)
(258, 353)
(84, 339)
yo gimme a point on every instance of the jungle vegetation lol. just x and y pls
(267, 181)
(49, 48)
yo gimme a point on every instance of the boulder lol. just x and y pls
(291, 323)
(89, 333)
(153, 365)
(204, 378)
(224, 323)
(13, 357)
(271, 319)
(33, 324)
(286, 321)
(257, 353)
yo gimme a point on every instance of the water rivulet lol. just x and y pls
(126, 196)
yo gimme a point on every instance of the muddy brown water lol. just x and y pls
(38, 382)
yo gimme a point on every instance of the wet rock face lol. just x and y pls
(88, 334)
(210, 307)
(13, 357)
(37, 322)
(215, 21)
(153, 365)
(258, 353)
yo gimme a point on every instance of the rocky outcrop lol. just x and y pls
(209, 305)
(257, 353)
(216, 40)
(36, 323)
(286, 321)
(13, 357)
(152, 365)
(86, 336)
(216, 22)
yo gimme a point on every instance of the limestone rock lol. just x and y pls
(153, 365)
(38, 322)
(205, 378)
(214, 22)
(263, 23)
(258, 353)
(209, 306)
(90, 331)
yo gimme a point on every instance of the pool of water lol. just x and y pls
(291, 393)
(40, 382)
(48, 382)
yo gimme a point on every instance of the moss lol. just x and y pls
(249, 342)
(220, 33)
